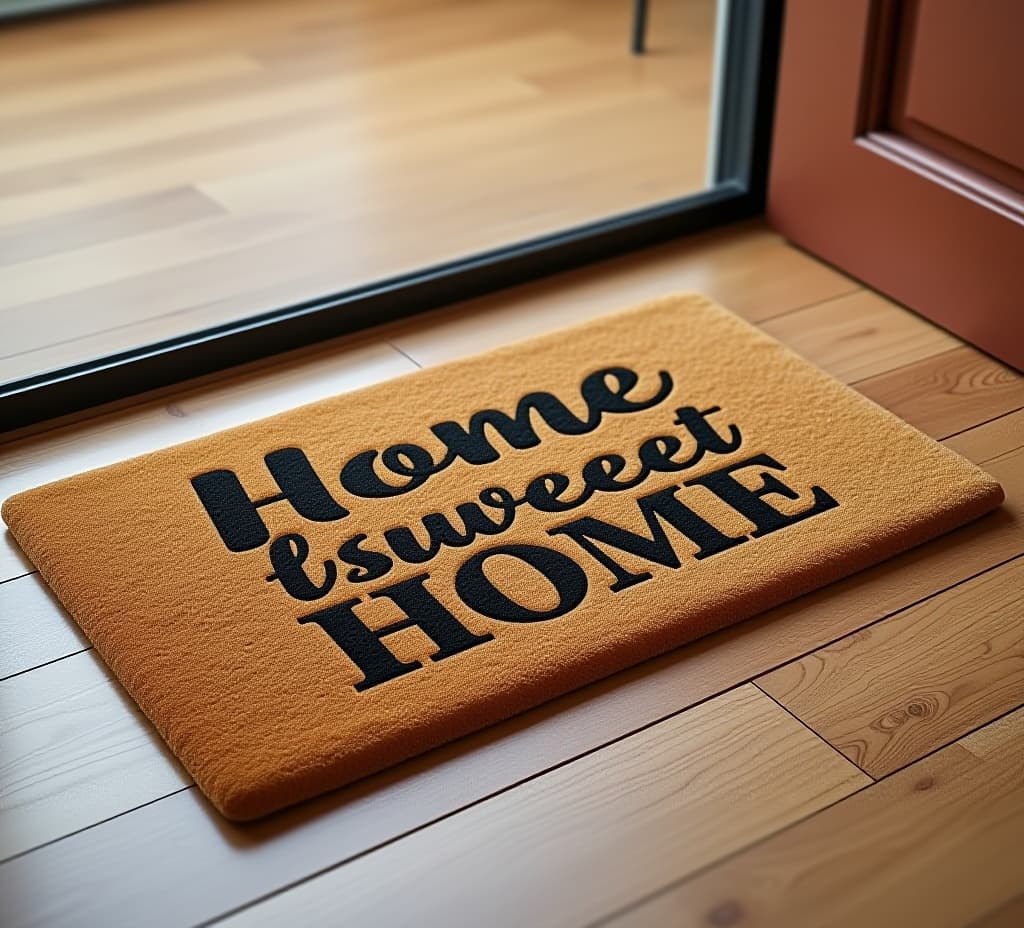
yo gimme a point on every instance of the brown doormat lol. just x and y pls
(301, 601)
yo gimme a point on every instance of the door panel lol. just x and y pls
(956, 64)
(877, 168)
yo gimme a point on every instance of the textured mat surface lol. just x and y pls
(301, 601)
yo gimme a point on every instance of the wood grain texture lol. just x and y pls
(887, 695)
(48, 91)
(34, 628)
(69, 760)
(747, 268)
(109, 222)
(1001, 437)
(678, 795)
(329, 145)
(949, 392)
(179, 840)
(860, 335)
(937, 844)
(176, 840)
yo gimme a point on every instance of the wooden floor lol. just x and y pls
(169, 166)
(853, 758)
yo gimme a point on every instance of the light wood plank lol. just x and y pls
(334, 170)
(887, 695)
(1002, 436)
(43, 100)
(297, 378)
(265, 276)
(747, 268)
(34, 628)
(209, 109)
(670, 799)
(180, 840)
(938, 844)
(693, 786)
(87, 291)
(860, 335)
(949, 392)
(106, 223)
(87, 50)
(38, 288)
(69, 759)
(235, 266)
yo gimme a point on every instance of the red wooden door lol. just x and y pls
(899, 154)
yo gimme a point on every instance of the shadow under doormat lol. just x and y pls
(301, 601)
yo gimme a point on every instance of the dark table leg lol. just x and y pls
(639, 26)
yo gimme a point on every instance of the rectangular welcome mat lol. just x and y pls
(304, 600)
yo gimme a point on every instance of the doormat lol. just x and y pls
(301, 601)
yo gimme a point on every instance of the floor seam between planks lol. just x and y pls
(668, 887)
(795, 309)
(253, 903)
(945, 744)
(1002, 415)
(109, 818)
(566, 761)
(405, 354)
(55, 660)
(853, 384)
(820, 737)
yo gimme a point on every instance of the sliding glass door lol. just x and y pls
(189, 185)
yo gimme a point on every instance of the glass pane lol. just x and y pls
(167, 167)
